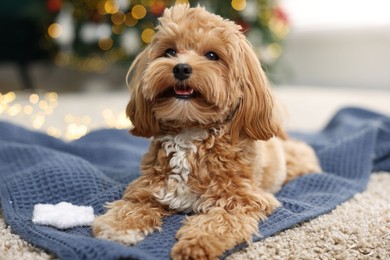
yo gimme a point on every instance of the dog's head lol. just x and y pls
(199, 71)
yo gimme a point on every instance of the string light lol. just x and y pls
(14, 109)
(147, 35)
(105, 44)
(75, 131)
(55, 132)
(28, 110)
(54, 30)
(41, 107)
(92, 63)
(38, 121)
(118, 18)
(43, 104)
(130, 20)
(51, 96)
(117, 29)
(138, 11)
(238, 5)
(8, 98)
(116, 15)
(34, 98)
(111, 7)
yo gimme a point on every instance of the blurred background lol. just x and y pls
(78, 45)
(78, 52)
(340, 43)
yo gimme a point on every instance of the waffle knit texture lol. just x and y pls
(36, 168)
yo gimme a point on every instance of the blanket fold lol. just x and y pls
(36, 168)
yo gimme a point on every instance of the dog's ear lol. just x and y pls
(256, 115)
(139, 109)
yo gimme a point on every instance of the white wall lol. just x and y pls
(337, 43)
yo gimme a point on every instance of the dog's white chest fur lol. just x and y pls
(176, 193)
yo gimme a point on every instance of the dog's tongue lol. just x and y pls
(183, 91)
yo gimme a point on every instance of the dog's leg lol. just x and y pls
(228, 223)
(130, 219)
(300, 159)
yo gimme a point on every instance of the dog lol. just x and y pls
(217, 151)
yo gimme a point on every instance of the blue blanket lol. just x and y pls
(36, 168)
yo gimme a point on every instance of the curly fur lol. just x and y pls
(220, 154)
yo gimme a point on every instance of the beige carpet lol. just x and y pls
(357, 229)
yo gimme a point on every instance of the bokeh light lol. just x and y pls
(40, 110)
(238, 5)
(105, 44)
(130, 20)
(34, 98)
(14, 109)
(118, 18)
(38, 121)
(138, 11)
(54, 30)
(117, 29)
(85, 34)
(147, 35)
(111, 7)
(28, 110)
(55, 132)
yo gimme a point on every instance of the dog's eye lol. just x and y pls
(212, 56)
(169, 53)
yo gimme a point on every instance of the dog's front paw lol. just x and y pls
(126, 222)
(105, 228)
(195, 248)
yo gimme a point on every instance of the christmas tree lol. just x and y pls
(91, 35)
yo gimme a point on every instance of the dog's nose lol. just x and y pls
(182, 71)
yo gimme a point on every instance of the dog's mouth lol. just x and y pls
(183, 92)
(180, 92)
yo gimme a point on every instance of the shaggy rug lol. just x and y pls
(357, 229)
